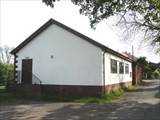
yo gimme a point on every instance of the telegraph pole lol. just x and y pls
(132, 52)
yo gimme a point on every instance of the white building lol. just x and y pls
(66, 61)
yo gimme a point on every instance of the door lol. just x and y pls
(27, 71)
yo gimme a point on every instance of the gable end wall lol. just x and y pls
(61, 58)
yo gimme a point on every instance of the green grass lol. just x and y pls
(2, 89)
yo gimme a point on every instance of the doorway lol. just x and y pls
(27, 71)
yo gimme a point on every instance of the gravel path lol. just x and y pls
(141, 104)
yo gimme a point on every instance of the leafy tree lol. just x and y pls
(135, 15)
(145, 66)
(1, 73)
(150, 70)
(156, 73)
(6, 73)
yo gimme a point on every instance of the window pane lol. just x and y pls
(113, 66)
(121, 67)
(126, 68)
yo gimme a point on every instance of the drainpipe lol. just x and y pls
(103, 57)
(14, 69)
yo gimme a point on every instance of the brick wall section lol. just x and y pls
(72, 90)
(138, 72)
(26, 90)
(38, 90)
(82, 90)
(110, 88)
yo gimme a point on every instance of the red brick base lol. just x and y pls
(25, 90)
(37, 90)
(72, 90)
(82, 90)
(109, 88)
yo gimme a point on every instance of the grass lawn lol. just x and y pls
(10, 99)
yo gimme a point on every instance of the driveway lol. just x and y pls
(141, 104)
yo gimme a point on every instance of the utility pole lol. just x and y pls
(132, 52)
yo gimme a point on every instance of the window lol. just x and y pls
(113, 66)
(126, 68)
(121, 67)
(130, 74)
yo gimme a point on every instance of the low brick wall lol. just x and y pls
(26, 90)
(112, 87)
(72, 90)
(38, 90)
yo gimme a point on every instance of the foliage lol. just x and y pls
(150, 70)
(2, 89)
(156, 73)
(135, 15)
(6, 72)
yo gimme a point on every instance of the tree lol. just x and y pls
(156, 73)
(135, 15)
(5, 55)
(6, 73)
(145, 66)
(150, 70)
(6, 66)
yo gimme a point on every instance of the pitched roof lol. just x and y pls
(52, 21)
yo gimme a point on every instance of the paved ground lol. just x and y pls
(141, 104)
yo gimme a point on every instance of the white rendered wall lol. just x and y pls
(75, 61)
(114, 78)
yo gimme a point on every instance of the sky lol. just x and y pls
(20, 18)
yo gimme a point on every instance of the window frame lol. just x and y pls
(121, 72)
(126, 65)
(112, 66)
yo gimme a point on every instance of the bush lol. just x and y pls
(6, 73)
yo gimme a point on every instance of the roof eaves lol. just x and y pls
(117, 54)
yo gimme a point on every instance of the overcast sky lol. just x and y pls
(20, 18)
